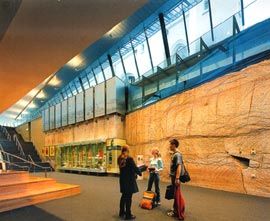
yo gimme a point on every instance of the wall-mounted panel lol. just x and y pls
(43, 120)
(72, 110)
(80, 107)
(46, 124)
(64, 113)
(58, 115)
(52, 117)
(115, 96)
(89, 103)
(100, 100)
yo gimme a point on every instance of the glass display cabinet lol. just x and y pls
(95, 156)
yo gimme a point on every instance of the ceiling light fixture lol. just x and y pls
(76, 62)
(55, 81)
(41, 95)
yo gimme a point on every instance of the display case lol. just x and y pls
(83, 156)
(95, 156)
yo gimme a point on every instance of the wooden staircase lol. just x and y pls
(19, 189)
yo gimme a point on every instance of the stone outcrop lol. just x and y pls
(224, 129)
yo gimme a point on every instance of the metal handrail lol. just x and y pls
(51, 162)
(7, 162)
(18, 144)
(26, 161)
(29, 156)
(6, 133)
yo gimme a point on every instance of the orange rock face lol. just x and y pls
(223, 127)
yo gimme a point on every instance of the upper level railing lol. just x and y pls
(240, 48)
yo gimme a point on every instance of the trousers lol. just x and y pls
(154, 178)
(179, 203)
(125, 204)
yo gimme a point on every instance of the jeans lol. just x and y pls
(125, 204)
(154, 178)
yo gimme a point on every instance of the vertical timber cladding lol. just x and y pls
(58, 115)
(52, 117)
(89, 103)
(80, 107)
(115, 94)
(100, 100)
(72, 110)
(64, 113)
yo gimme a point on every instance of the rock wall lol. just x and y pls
(223, 127)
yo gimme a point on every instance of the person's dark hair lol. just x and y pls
(174, 142)
(124, 149)
(121, 159)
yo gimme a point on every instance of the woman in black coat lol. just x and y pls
(128, 184)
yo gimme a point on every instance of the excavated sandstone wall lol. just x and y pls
(224, 129)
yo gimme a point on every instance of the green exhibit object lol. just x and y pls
(92, 156)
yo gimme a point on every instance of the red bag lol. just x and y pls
(148, 200)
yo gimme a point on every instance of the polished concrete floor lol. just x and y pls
(99, 199)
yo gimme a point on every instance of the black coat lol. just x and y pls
(128, 174)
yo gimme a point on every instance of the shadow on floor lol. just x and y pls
(30, 213)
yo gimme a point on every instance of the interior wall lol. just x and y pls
(24, 131)
(37, 135)
(33, 132)
(223, 127)
(99, 129)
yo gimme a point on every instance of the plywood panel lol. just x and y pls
(100, 100)
(71, 110)
(80, 107)
(89, 103)
(101, 129)
(58, 117)
(115, 96)
(47, 119)
(64, 113)
(52, 117)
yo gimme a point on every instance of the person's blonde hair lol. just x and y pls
(156, 151)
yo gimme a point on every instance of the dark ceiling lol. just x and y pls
(42, 35)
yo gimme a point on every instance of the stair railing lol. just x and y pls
(30, 158)
(18, 145)
(26, 168)
(4, 153)
(6, 133)
(50, 161)
(2, 161)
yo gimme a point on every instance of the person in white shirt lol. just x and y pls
(155, 166)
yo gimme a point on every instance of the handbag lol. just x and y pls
(169, 192)
(185, 177)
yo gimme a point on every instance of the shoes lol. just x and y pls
(130, 217)
(158, 203)
(171, 214)
(122, 216)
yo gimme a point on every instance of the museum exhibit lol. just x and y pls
(85, 82)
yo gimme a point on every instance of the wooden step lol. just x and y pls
(11, 186)
(13, 176)
(34, 196)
